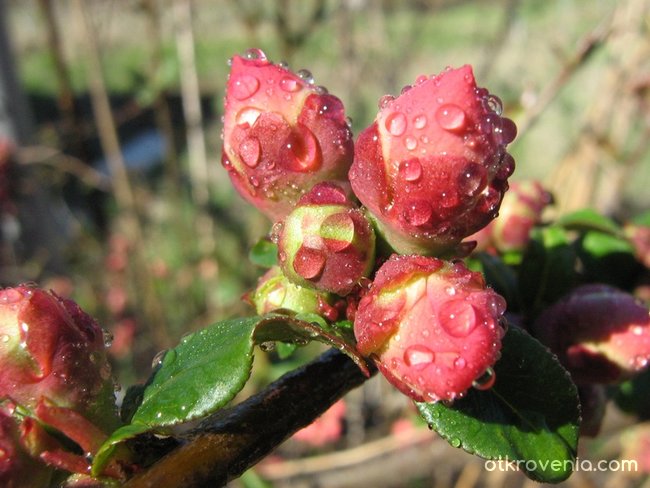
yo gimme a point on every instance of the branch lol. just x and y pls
(229, 442)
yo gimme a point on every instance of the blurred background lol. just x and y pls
(112, 193)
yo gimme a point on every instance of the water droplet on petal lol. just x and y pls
(421, 79)
(306, 76)
(247, 116)
(472, 179)
(411, 143)
(451, 117)
(396, 123)
(637, 330)
(4, 338)
(158, 358)
(10, 295)
(337, 232)
(304, 153)
(384, 101)
(494, 103)
(290, 84)
(457, 317)
(405, 88)
(249, 151)
(486, 380)
(255, 53)
(245, 87)
(411, 170)
(506, 167)
(639, 362)
(418, 357)
(508, 131)
(420, 122)
(418, 212)
(460, 363)
(309, 263)
(107, 337)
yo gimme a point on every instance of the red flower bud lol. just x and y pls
(431, 326)
(600, 334)
(50, 348)
(275, 291)
(432, 168)
(326, 243)
(521, 209)
(282, 134)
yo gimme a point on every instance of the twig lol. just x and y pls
(229, 442)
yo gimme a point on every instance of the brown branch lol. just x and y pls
(229, 442)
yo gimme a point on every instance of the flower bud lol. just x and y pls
(600, 334)
(521, 209)
(282, 134)
(639, 236)
(274, 291)
(50, 348)
(325, 242)
(432, 168)
(432, 327)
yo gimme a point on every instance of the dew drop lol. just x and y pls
(405, 88)
(472, 179)
(451, 117)
(384, 101)
(506, 167)
(508, 131)
(304, 153)
(158, 358)
(107, 337)
(4, 338)
(411, 170)
(418, 357)
(306, 76)
(276, 231)
(457, 317)
(337, 232)
(455, 442)
(395, 123)
(245, 87)
(494, 103)
(283, 64)
(486, 380)
(460, 363)
(254, 181)
(249, 151)
(247, 116)
(420, 122)
(290, 84)
(255, 53)
(411, 143)
(309, 263)
(418, 212)
(497, 305)
(267, 346)
(321, 90)
(636, 330)
(421, 79)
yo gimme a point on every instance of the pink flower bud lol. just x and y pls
(432, 327)
(50, 348)
(325, 242)
(282, 134)
(600, 334)
(521, 209)
(274, 291)
(432, 168)
(325, 429)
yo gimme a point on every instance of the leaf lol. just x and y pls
(607, 259)
(589, 220)
(547, 271)
(264, 253)
(501, 278)
(200, 375)
(633, 396)
(530, 414)
(107, 449)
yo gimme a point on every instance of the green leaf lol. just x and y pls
(588, 220)
(633, 396)
(607, 259)
(200, 375)
(501, 278)
(124, 433)
(547, 271)
(530, 414)
(264, 253)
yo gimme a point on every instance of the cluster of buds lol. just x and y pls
(430, 171)
(55, 377)
(521, 210)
